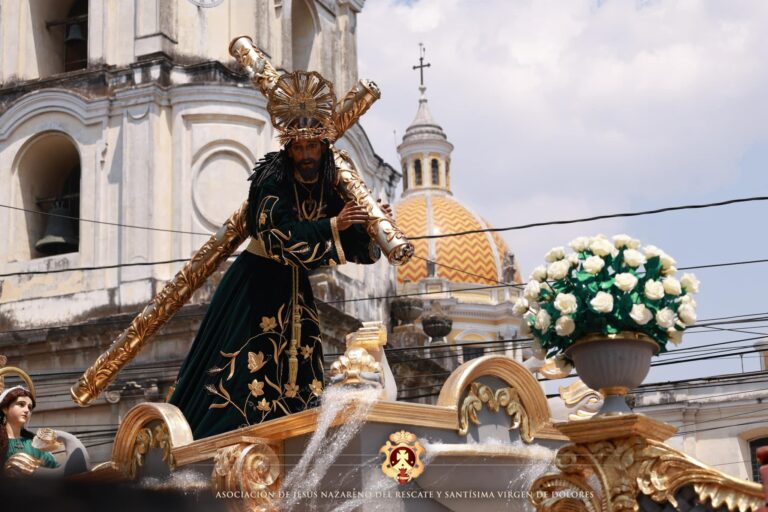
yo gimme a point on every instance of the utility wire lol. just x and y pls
(378, 297)
(597, 217)
(443, 235)
(106, 223)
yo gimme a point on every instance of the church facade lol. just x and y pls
(127, 134)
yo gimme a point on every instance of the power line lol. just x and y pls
(597, 217)
(379, 297)
(106, 223)
(465, 271)
(442, 235)
(761, 422)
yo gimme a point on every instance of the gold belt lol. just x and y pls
(256, 247)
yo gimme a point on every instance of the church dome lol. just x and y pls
(478, 258)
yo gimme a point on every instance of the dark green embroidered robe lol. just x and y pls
(237, 371)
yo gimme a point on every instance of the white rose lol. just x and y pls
(543, 320)
(566, 303)
(690, 283)
(640, 314)
(667, 261)
(675, 336)
(665, 318)
(651, 251)
(539, 273)
(633, 258)
(601, 247)
(671, 286)
(573, 259)
(558, 269)
(621, 241)
(521, 306)
(554, 254)
(579, 244)
(687, 299)
(625, 281)
(669, 271)
(687, 314)
(532, 290)
(525, 325)
(594, 264)
(654, 290)
(538, 350)
(565, 326)
(603, 302)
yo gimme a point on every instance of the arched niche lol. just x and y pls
(304, 28)
(48, 170)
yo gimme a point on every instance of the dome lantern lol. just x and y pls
(425, 152)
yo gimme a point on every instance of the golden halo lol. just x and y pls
(24, 376)
(301, 105)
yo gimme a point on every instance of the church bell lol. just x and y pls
(61, 232)
(74, 33)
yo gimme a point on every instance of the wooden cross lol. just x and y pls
(421, 65)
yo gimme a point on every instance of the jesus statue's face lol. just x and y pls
(306, 156)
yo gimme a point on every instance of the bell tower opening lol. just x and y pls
(49, 189)
(61, 35)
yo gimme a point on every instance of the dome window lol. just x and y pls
(417, 172)
(435, 172)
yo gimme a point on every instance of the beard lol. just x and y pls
(307, 166)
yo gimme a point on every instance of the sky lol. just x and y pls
(565, 109)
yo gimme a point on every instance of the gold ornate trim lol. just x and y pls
(305, 422)
(626, 460)
(531, 398)
(147, 426)
(578, 392)
(352, 368)
(337, 240)
(480, 394)
(551, 371)
(250, 471)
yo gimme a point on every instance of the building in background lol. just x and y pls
(128, 123)
(457, 284)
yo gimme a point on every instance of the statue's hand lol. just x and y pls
(349, 215)
(22, 464)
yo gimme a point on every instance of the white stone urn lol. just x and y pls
(613, 364)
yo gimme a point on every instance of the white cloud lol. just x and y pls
(562, 109)
(533, 91)
(552, 104)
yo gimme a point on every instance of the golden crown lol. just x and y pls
(302, 104)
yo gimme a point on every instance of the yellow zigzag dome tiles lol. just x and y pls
(475, 258)
(411, 216)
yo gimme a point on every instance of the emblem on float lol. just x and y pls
(402, 457)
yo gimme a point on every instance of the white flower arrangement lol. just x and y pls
(607, 288)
